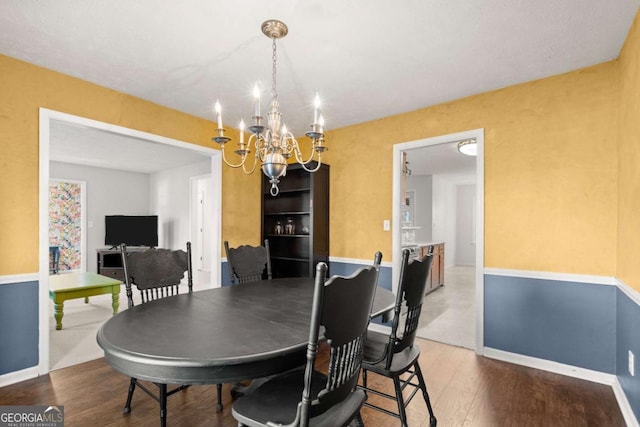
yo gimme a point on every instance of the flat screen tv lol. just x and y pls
(132, 230)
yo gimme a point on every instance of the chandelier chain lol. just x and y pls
(274, 92)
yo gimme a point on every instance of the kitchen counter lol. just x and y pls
(428, 243)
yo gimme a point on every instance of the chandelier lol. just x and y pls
(273, 143)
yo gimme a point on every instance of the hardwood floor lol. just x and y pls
(465, 390)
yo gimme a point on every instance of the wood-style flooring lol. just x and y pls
(465, 390)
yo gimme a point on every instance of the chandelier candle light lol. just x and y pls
(273, 143)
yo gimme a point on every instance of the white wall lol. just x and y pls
(421, 185)
(109, 192)
(465, 225)
(170, 195)
(445, 212)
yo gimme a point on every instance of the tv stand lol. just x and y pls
(110, 261)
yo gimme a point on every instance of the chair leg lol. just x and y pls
(132, 387)
(423, 386)
(163, 405)
(364, 381)
(219, 405)
(358, 421)
(400, 401)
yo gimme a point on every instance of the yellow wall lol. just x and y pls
(25, 88)
(629, 155)
(550, 173)
(550, 167)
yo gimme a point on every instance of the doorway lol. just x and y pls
(439, 232)
(201, 206)
(50, 118)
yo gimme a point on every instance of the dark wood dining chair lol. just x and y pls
(396, 354)
(157, 273)
(248, 263)
(304, 396)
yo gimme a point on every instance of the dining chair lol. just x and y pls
(157, 273)
(304, 396)
(248, 263)
(396, 354)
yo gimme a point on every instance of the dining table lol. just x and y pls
(220, 335)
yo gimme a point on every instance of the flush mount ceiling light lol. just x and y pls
(468, 147)
(273, 143)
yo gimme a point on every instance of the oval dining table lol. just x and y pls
(220, 335)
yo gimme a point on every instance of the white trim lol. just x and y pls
(43, 244)
(549, 366)
(358, 261)
(624, 405)
(571, 371)
(46, 116)
(561, 277)
(19, 278)
(478, 134)
(216, 181)
(18, 376)
(628, 291)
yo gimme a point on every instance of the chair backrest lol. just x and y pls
(157, 273)
(408, 306)
(342, 306)
(248, 263)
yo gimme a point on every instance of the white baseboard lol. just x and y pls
(549, 366)
(571, 371)
(625, 406)
(18, 376)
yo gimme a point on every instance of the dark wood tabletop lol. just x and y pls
(226, 334)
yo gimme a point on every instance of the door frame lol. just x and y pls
(46, 117)
(396, 238)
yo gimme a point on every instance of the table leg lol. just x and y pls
(58, 312)
(115, 299)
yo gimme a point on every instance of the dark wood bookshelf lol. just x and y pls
(303, 198)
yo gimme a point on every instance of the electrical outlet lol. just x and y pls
(631, 364)
(386, 225)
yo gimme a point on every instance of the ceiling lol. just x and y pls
(366, 60)
(98, 148)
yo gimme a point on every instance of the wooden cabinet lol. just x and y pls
(296, 221)
(110, 261)
(436, 277)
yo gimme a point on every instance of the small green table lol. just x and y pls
(67, 286)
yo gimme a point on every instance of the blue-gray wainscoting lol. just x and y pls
(628, 338)
(346, 269)
(18, 326)
(587, 325)
(565, 322)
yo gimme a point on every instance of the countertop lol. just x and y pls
(423, 243)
